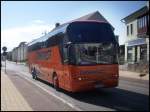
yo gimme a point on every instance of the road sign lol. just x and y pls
(4, 48)
(4, 53)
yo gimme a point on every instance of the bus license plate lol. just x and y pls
(99, 85)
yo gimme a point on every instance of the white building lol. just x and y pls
(14, 54)
(20, 53)
(137, 41)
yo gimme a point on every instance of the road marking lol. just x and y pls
(51, 93)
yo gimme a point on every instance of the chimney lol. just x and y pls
(57, 24)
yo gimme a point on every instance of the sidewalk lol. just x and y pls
(11, 99)
(19, 63)
(134, 75)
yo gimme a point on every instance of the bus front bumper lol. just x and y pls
(93, 84)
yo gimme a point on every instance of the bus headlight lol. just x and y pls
(79, 78)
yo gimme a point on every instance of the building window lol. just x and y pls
(131, 29)
(129, 54)
(145, 21)
(140, 23)
(127, 30)
(143, 52)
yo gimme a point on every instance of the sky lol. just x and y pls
(28, 20)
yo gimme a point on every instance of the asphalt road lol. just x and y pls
(131, 94)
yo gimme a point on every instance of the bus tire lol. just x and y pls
(55, 82)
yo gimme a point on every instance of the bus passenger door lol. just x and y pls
(65, 67)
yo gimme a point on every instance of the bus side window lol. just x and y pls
(65, 54)
(48, 55)
(44, 55)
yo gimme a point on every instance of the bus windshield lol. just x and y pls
(90, 32)
(94, 53)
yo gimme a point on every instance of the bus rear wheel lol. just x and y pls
(55, 82)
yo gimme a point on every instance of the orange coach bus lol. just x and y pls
(76, 56)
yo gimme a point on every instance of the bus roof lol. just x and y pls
(60, 29)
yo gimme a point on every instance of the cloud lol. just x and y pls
(38, 21)
(12, 37)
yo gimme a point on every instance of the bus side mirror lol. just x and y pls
(66, 45)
